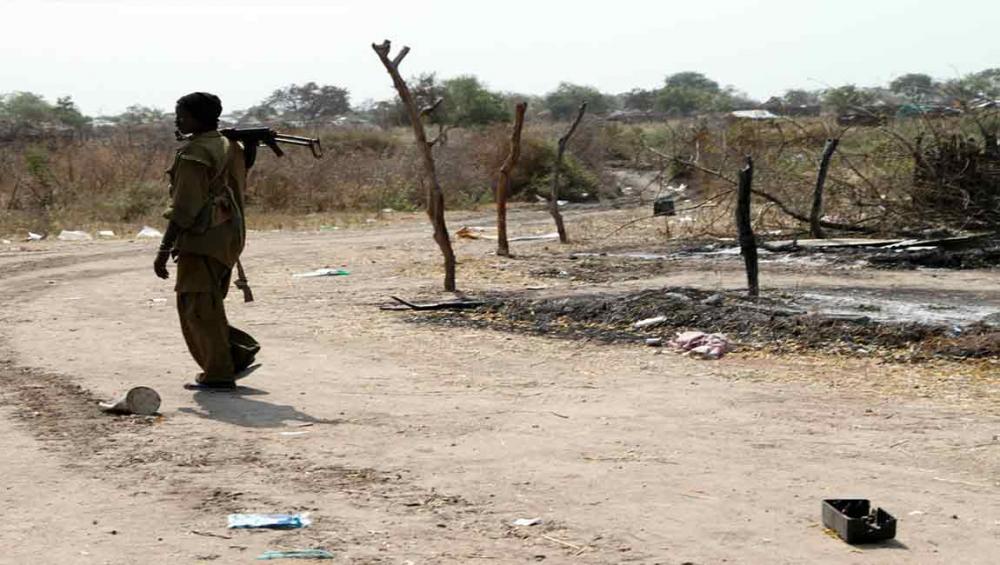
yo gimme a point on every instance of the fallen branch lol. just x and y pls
(449, 305)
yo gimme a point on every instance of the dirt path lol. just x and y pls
(411, 443)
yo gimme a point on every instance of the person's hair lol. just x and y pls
(205, 107)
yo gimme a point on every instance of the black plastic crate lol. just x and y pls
(855, 521)
(664, 206)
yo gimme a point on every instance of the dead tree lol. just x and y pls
(748, 242)
(503, 179)
(435, 196)
(554, 200)
(815, 227)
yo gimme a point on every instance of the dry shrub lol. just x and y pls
(870, 182)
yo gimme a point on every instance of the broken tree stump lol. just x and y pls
(435, 196)
(503, 179)
(815, 226)
(744, 227)
(554, 199)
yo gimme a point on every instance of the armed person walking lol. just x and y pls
(205, 236)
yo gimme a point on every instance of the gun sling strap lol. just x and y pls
(242, 283)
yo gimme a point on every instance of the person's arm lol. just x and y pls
(188, 190)
(166, 246)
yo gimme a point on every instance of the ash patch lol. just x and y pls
(772, 323)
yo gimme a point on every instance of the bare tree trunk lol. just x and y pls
(435, 196)
(554, 200)
(503, 180)
(815, 228)
(748, 243)
(12, 201)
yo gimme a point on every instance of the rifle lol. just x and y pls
(264, 136)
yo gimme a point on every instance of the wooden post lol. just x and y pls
(435, 196)
(815, 229)
(554, 200)
(744, 228)
(503, 179)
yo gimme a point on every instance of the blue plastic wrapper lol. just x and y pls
(272, 521)
(296, 554)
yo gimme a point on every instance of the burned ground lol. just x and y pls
(774, 324)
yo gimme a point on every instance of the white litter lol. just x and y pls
(35, 236)
(66, 235)
(526, 522)
(553, 235)
(105, 233)
(147, 231)
(5, 241)
(322, 273)
(649, 322)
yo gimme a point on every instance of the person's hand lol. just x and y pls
(160, 264)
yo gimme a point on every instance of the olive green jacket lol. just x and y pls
(207, 184)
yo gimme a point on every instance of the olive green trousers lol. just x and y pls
(219, 349)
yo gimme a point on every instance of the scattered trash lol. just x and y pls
(474, 232)
(296, 554)
(149, 232)
(677, 296)
(271, 521)
(855, 521)
(293, 433)
(701, 344)
(654, 341)
(714, 300)
(469, 232)
(106, 233)
(753, 115)
(323, 273)
(649, 322)
(157, 300)
(562, 202)
(140, 400)
(917, 513)
(553, 235)
(35, 236)
(5, 241)
(526, 522)
(664, 206)
(387, 210)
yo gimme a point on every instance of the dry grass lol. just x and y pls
(118, 182)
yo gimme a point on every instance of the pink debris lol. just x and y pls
(701, 344)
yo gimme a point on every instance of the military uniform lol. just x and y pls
(207, 183)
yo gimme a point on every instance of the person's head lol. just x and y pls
(197, 112)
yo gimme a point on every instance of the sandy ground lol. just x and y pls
(410, 443)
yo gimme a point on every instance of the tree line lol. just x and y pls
(467, 101)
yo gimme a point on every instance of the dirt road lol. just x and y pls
(415, 443)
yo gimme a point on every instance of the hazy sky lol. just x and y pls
(109, 54)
